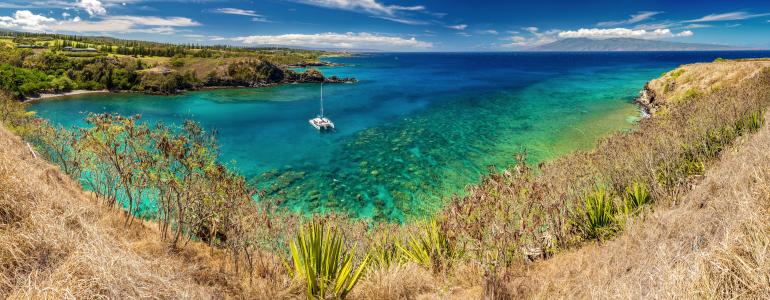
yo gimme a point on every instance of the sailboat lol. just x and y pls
(320, 122)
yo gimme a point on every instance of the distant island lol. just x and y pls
(627, 44)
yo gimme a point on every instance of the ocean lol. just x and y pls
(416, 129)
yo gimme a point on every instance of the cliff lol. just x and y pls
(691, 81)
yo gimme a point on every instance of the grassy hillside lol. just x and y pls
(674, 208)
(712, 243)
(58, 242)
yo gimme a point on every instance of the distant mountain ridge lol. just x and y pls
(627, 44)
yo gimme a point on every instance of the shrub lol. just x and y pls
(598, 215)
(320, 258)
(636, 196)
(750, 123)
(431, 248)
(675, 74)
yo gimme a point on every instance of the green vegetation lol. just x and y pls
(430, 248)
(676, 73)
(599, 219)
(635, 198)
(172, 174)
(107, 45)
(119, 65)
(319, 257)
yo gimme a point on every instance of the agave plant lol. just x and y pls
(320, 258)
(636, 196)
(385, 252)
(599, 214)
(431, 249)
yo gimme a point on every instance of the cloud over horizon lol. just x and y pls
(26, 20)
(350, 40)
(599, 33)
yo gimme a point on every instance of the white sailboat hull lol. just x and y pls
(321, 124)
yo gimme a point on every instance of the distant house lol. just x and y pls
(30, 46)
(71, 49)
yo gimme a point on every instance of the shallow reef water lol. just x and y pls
(415, 129)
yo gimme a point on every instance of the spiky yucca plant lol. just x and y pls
(431, 249)
(599, 214)
(636, 196)
(385, 252)
(320, 258)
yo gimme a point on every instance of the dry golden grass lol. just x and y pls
(714, 242)
(692, 80)
(708, 236)
(58, 243)
(399, 281)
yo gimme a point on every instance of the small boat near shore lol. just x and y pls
(320, 122)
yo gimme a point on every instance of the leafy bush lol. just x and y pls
(320, 258)
(22, 82)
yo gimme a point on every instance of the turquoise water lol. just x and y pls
(415, 129)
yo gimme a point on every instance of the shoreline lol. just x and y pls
(48, 96)
(52, 96)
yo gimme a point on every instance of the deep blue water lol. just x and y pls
(416, 128)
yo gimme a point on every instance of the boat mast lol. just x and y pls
(322, 99)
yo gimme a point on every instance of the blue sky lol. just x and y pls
(396, 25)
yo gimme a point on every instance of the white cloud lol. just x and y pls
(237, 11)
(597, 33)
(633, 19)
(26, 20)
(402, 20)
(536, 37)
(201, 37)
(92, 7)
(348, 40)
(370, 6)
(730, 16)
(395, 13)
(155, 21)
(696, 26)
(458, 26)
(489, 31)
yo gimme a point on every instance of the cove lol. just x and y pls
(415, 129)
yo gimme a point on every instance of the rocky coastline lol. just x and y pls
(314, 64)
(647, 101)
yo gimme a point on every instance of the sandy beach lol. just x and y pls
(43, 96)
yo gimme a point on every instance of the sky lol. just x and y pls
(396, 25)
